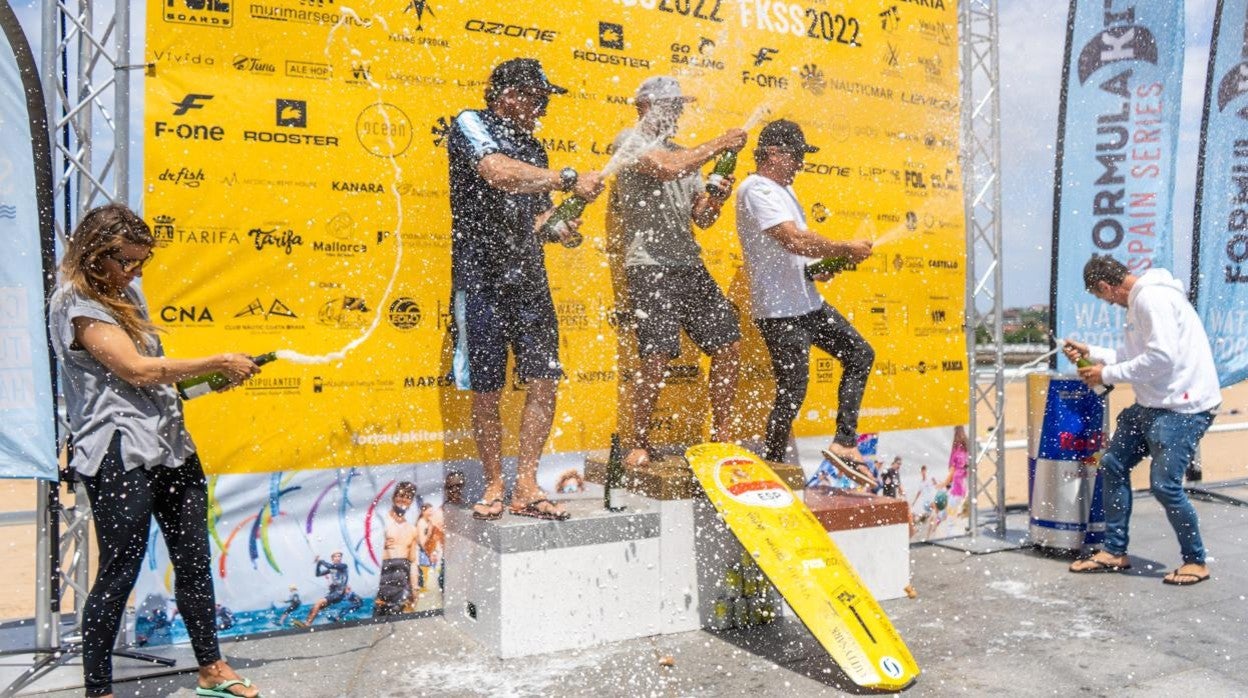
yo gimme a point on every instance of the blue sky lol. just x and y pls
(1032, 34)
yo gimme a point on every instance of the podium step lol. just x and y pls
(668, 477)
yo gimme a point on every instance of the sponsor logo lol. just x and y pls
(189, 102)
(827, 170)
(933, 102)
(763, 55)
(8, 211)
(682, 373)
(384, 130)
(593, 376)
(701, 57)
(942, 264)
(183, 58)
(316, 12)
(558, 145)
(813, 79)
(573, 315)
(891, 60)
(441, 130)
(284, 239)
(357, 187)
(825, 370)
(933, 4)
(309, 70)
(1122, 42)
(185, 177)
(420, 8)
(232, 179)
(291, 113)
(166, 232)
(274, 385)
(890, 19)
(956, 365)
(513, 31)
(188, 131)
(344, 313)
(403, 313)
(938, 316)
(405, 36)
(912, 220)
(933, 68)
(428, 381)
(611, 35)
(185, 315)
(936, 32)
(414, 78)
(361, 73)
(819, 212)
(201, 13)
(765, 81)
(257, 308)
(251, 64)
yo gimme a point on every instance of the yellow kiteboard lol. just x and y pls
(794, 551)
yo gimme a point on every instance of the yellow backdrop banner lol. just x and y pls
(296, 180)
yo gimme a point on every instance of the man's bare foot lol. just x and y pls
(637, 458)
(1101, 561)
(1187, 574)
(217, 673)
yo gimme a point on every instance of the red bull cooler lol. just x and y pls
(1067, 426)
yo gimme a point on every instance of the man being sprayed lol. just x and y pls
(500, 195)
(338, 574)
(788, 310)
(398, 576)
(654, 204)
(1167, 359)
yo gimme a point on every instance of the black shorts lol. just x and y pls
(394, 587)
(663, 300)
(492, 319)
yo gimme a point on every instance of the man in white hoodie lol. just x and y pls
(1167, 359)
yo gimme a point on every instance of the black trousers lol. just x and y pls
(123, 504)
(788, 342)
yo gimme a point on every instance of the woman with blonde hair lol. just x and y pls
(130, 445)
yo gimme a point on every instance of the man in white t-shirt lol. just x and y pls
(788, 310)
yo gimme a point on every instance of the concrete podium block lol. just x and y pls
(668, 477)
(521, 586)
(873, 532)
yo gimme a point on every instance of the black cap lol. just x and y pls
(785, 135)
(522, 72)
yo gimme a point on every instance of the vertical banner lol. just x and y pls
(1117, 135)
(1220, 237)
(27, 418)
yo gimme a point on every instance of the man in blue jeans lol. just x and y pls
(1167, 359)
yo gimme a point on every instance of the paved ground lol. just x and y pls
(1009, 623)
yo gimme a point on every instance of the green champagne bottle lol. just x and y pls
(613, 482)
(1101, 389)
(829, 265)
(725, 165)
(555, 226)
(210, 382)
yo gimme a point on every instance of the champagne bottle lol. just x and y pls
(829, 265)
(1101, 389)
(613, 482)
(725, 164)
(211, 382)
(554, 228)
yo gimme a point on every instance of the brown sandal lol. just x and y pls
(491, 510)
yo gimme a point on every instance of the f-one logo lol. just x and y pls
(189, 102)
(511, 30)
(201, 13)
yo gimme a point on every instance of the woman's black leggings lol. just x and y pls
(122, 504)
(788, 342)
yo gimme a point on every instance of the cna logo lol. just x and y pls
(189, 102)
(186, 315)
(292, 113)
(257, 308)
(201, 13)
(611, 35)
(420, 8)
(403, 313)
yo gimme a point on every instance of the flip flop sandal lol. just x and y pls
(850, 468)
(534, 509)
(493, 510)
(222, 690)
(1183, 579)
(1099, 567)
